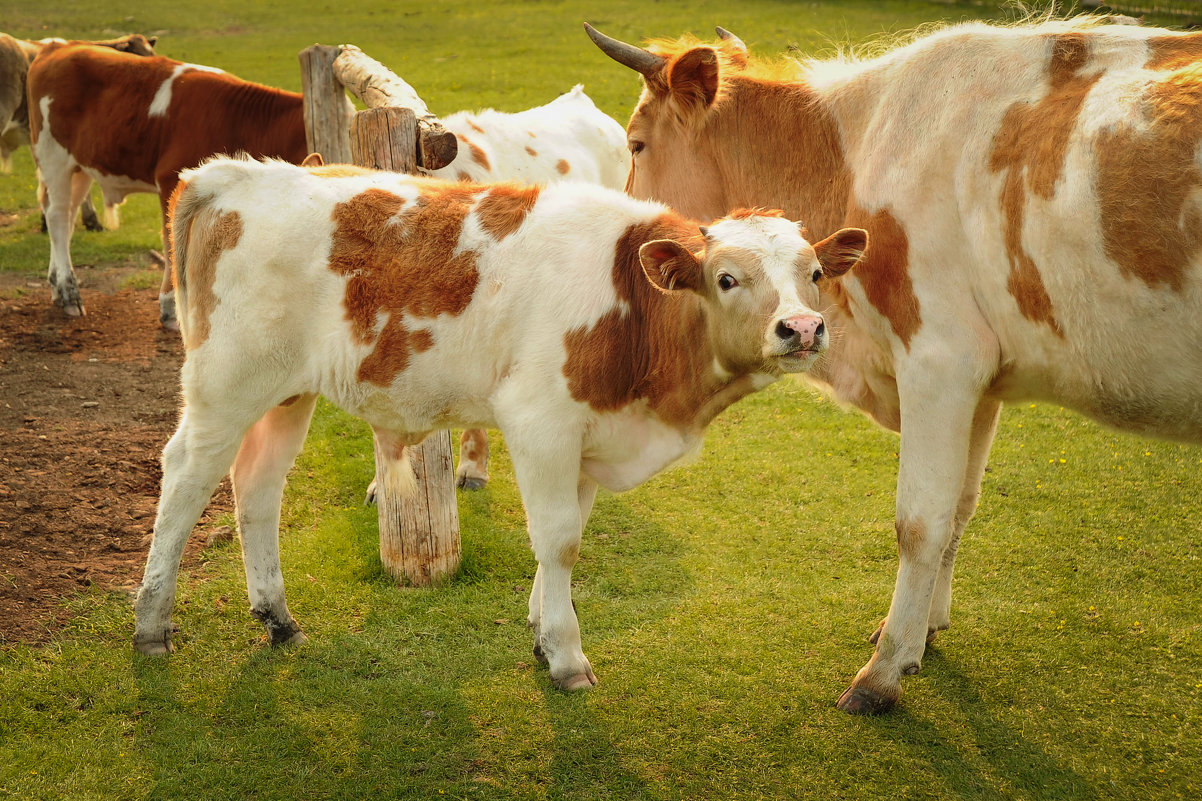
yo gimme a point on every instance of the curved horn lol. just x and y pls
(638, 59)
(727, 36)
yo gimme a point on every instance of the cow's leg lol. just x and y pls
(56, 169)
(81, 198)
(984, 426)
(6, 157)
(472, 472)
(938, 407)
(547, 469)
(196, 457)
(586, 493)
(167, 316)
(258, 476)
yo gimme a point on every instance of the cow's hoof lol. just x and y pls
(298, 638)
(580, 681)
(370, 497)
(157, 647)
(470, 482)
(863, 701)
(92, 224)
(169, 323)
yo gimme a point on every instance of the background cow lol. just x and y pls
(568, 139)
(15, 58)
(600, 333)
(1032, 194)
(132, 124)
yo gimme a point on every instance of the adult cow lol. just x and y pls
(600, 333)
(132, 124)
(15, 58)
(1033, 198)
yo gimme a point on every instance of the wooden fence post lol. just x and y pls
(326, 108)
(419, 536)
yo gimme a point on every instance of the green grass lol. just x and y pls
(724, 605)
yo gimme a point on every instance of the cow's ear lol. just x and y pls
(313, 160)
(670, 266)
(693, 77)
(153, 40)
(840, 251)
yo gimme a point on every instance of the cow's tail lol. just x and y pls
(186, 209)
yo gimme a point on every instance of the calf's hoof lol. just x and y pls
(92, 224)
(577, 682)
(298, 638)
(470, 482)
(866, 701)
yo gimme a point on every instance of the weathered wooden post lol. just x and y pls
(419, 537)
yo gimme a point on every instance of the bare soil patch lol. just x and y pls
(86, 405)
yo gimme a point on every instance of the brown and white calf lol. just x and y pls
(1034, 198)
(599, 333)
(131, 124)
(15, 58)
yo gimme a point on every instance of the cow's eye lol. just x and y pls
(635, 146)
(817, 274)
(726, 282)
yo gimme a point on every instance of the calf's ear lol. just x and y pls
(693, 77)
(313, 160)
(840, 251)
(670, 265)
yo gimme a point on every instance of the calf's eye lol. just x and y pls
(635, 146)
(817, 274)
(726, 282)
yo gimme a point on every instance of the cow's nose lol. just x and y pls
(808, 327)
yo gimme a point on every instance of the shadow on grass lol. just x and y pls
(1024, 768)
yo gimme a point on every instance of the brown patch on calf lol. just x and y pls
(478, 154)
(463, 176)
(911, 534)
(657, 349)
(531, 151)
(210, 234)
(562, 166)
(472, 124)
(1030, 148)
(1149, 182)
(504, 208)
(884, 271)
(400, 260)
(1173, 52)
(289, 401)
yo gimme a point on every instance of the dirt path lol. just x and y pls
(86, 406)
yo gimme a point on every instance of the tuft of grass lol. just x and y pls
(724, 605)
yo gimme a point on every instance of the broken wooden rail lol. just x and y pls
(419, 536)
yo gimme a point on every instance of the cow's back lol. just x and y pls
(1059, 206)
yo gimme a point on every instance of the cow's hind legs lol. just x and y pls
(55, 193)
(258, 476)
(472, 473)
(195, 459)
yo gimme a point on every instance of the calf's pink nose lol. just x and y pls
(809, 327)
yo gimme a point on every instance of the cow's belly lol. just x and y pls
(115, 188)
(623, 450)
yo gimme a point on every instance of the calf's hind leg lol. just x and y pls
(195, 459)
(258, 476)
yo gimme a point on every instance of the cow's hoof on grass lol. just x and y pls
(159, 647)
(298, 638)
(471, 482)
(863, 701)
(580, 681)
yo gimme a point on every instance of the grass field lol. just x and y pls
(724, 605)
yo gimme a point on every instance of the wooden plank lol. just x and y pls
(327, 110)
(378, 87)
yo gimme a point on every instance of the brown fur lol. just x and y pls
(563, 167)
(642, 354)
(1147, 182)
(472, 124)
(503, 209)
(1173, 52)
(478, 154)
(1030, 147)
(884, 272)
(210, 235)
(533, 153)
(911, 534)
(401, 261)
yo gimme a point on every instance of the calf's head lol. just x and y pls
(758, 278)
